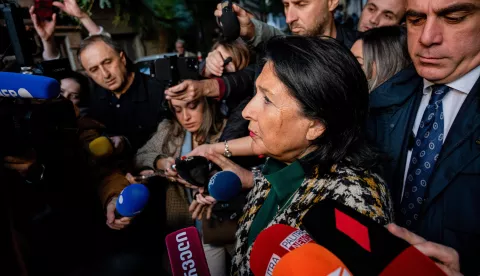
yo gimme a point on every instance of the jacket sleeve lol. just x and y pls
(147, 154)
(111, 185)
(238, 86)
(263, 32)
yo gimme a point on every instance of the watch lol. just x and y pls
(227, 153)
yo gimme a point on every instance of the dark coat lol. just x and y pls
(451, 210)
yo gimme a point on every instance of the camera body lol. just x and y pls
(171, 70)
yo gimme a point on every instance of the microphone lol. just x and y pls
(14, 85)
(186, 254)
(224, 186)
(310, 260)
(131, 200)
(229, 21)
(365, 246)
(101, 147)
(272, 244)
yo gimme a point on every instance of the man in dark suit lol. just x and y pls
(427, 118)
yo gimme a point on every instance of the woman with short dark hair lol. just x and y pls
(308, 117)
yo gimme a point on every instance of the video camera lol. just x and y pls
(171, 70)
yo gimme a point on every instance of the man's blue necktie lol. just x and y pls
(425, 152)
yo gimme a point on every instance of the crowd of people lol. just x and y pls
(384, 120)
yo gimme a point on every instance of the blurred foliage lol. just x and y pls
(145, 15)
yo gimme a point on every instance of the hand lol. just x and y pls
(71, 8)
(200, 204)
(247, 29)
(226, 164)
(214, 65)
(20, 164)
(44, 29)
(202, 150)
(448, 258)
(116, 224)
(118, 143)
(190, 90)
(131, 178)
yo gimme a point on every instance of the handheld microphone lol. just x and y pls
(14, 85)
(310, 260)
(229, 21)
(365, 246)
(186, 254)
(101, 147)
(131, 200)
(272, 244)
(224, 186)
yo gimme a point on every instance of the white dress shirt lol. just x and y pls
(452, 102)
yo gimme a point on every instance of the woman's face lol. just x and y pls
(277, 126)
(357, 50)
(189, 114)
(225, 54)
(70, 89)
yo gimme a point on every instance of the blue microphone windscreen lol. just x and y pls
(15, 85)
(132, 200)
(224, 185)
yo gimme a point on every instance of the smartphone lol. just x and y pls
(44, 9)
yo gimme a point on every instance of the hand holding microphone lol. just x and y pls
(130, 202)
(247, 29)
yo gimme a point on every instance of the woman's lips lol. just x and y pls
(252, 134)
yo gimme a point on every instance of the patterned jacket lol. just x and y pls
(360, 189)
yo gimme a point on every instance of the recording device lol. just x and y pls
(33, 117)
(229, 21)
(172, 70)
(366, 247)
(186, 254)
(224, 186)
(131, 200)
(311, 260)
(272, 244)
(194, 169)
(44, 9)
(101, 147)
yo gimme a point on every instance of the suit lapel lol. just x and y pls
(461, 146)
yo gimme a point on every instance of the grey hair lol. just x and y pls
(107, 40)
(180, 41)
(384, 49)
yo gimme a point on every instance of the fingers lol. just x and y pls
(59, 5)
(54, 19)
(130, 178)
(177, 88)
(209, 211)
(222, 161)
(404, 234)
(214, 63)
(448, 256)
(218, 11)
(197, 212)
(185, 183)
(147, 172)
(193, 206)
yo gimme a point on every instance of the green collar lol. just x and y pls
(285, 179)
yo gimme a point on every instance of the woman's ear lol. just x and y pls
(315, 130)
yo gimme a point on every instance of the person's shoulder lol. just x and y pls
(362, 190)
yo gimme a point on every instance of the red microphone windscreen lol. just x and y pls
(186, 254)
(412, 262)
(272, 244)
(310, 260)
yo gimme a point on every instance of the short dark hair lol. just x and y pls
(330, 86)
(107, 40)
